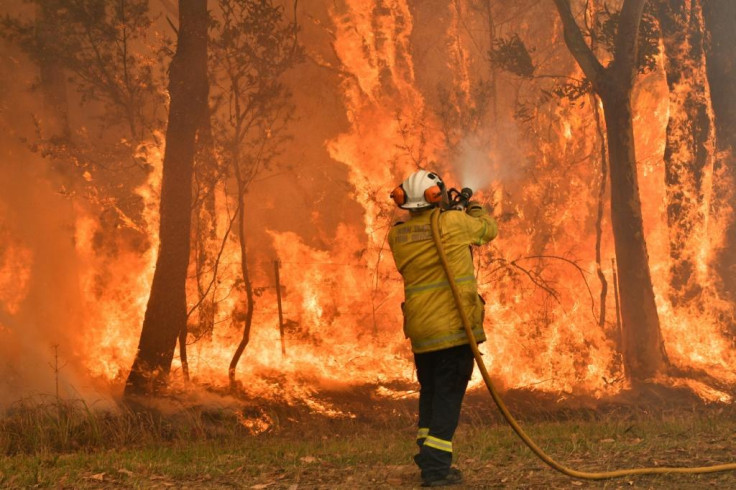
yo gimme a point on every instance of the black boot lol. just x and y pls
(453, 477)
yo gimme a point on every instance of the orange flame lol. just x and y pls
(341, 301)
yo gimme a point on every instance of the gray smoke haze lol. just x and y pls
(478, 167)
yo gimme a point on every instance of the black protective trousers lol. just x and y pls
(443, 378)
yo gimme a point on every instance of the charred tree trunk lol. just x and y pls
(166, 312)
(602, 187)
(600, 211)
(643, 350)
(206, 174)
(205, 256)
(183, 352)
(688, 151)
(720, 19)
(247, 317)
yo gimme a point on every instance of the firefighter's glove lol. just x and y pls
(476, 209)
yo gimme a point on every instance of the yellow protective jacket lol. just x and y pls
(431, 319)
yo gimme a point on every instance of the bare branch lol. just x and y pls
(215, 266)
(535, 278)
(576, 44)
(582, 274)
(538, 281)
(173, 27)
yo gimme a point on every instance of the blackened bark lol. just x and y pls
(599, 215)
(205, 254)
(643, 350)
(166, 312)
(688, 151)
(720, 23)
(183, 353)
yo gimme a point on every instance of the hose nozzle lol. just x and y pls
(458, 199)
(466, 193)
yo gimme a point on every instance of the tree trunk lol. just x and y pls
(602, 187)
(183, 353)
(688, 151)
(600, 211)
(720, 22)
(205, 255)
(166, 312)
(493, 80)
(247, 285)
(643, 350)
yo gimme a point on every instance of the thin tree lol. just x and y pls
(207, 248)
(166, 312)
(99, 44)
(589, 16)
(252, 46)
(643, 349)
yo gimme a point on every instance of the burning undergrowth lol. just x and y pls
(48, 424)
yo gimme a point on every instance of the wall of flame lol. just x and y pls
(368, 104)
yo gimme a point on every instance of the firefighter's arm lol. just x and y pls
(486, 227)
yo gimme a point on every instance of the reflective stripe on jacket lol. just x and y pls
(431, 319)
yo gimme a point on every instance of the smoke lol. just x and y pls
(474, 166)
(480, 166)
(46, 320)
(41, 313)
(367, 113)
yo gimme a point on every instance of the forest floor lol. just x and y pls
(367, 443)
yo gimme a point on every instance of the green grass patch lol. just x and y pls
(70, 446)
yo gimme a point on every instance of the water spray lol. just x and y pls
(539, 452)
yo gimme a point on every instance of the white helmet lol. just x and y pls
(421, 189)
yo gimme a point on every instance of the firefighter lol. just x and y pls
(442, 355)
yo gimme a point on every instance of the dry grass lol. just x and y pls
(68, 445)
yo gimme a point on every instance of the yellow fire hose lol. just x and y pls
(584, 475)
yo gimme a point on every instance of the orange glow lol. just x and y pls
(15, 272)
(341, 294)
